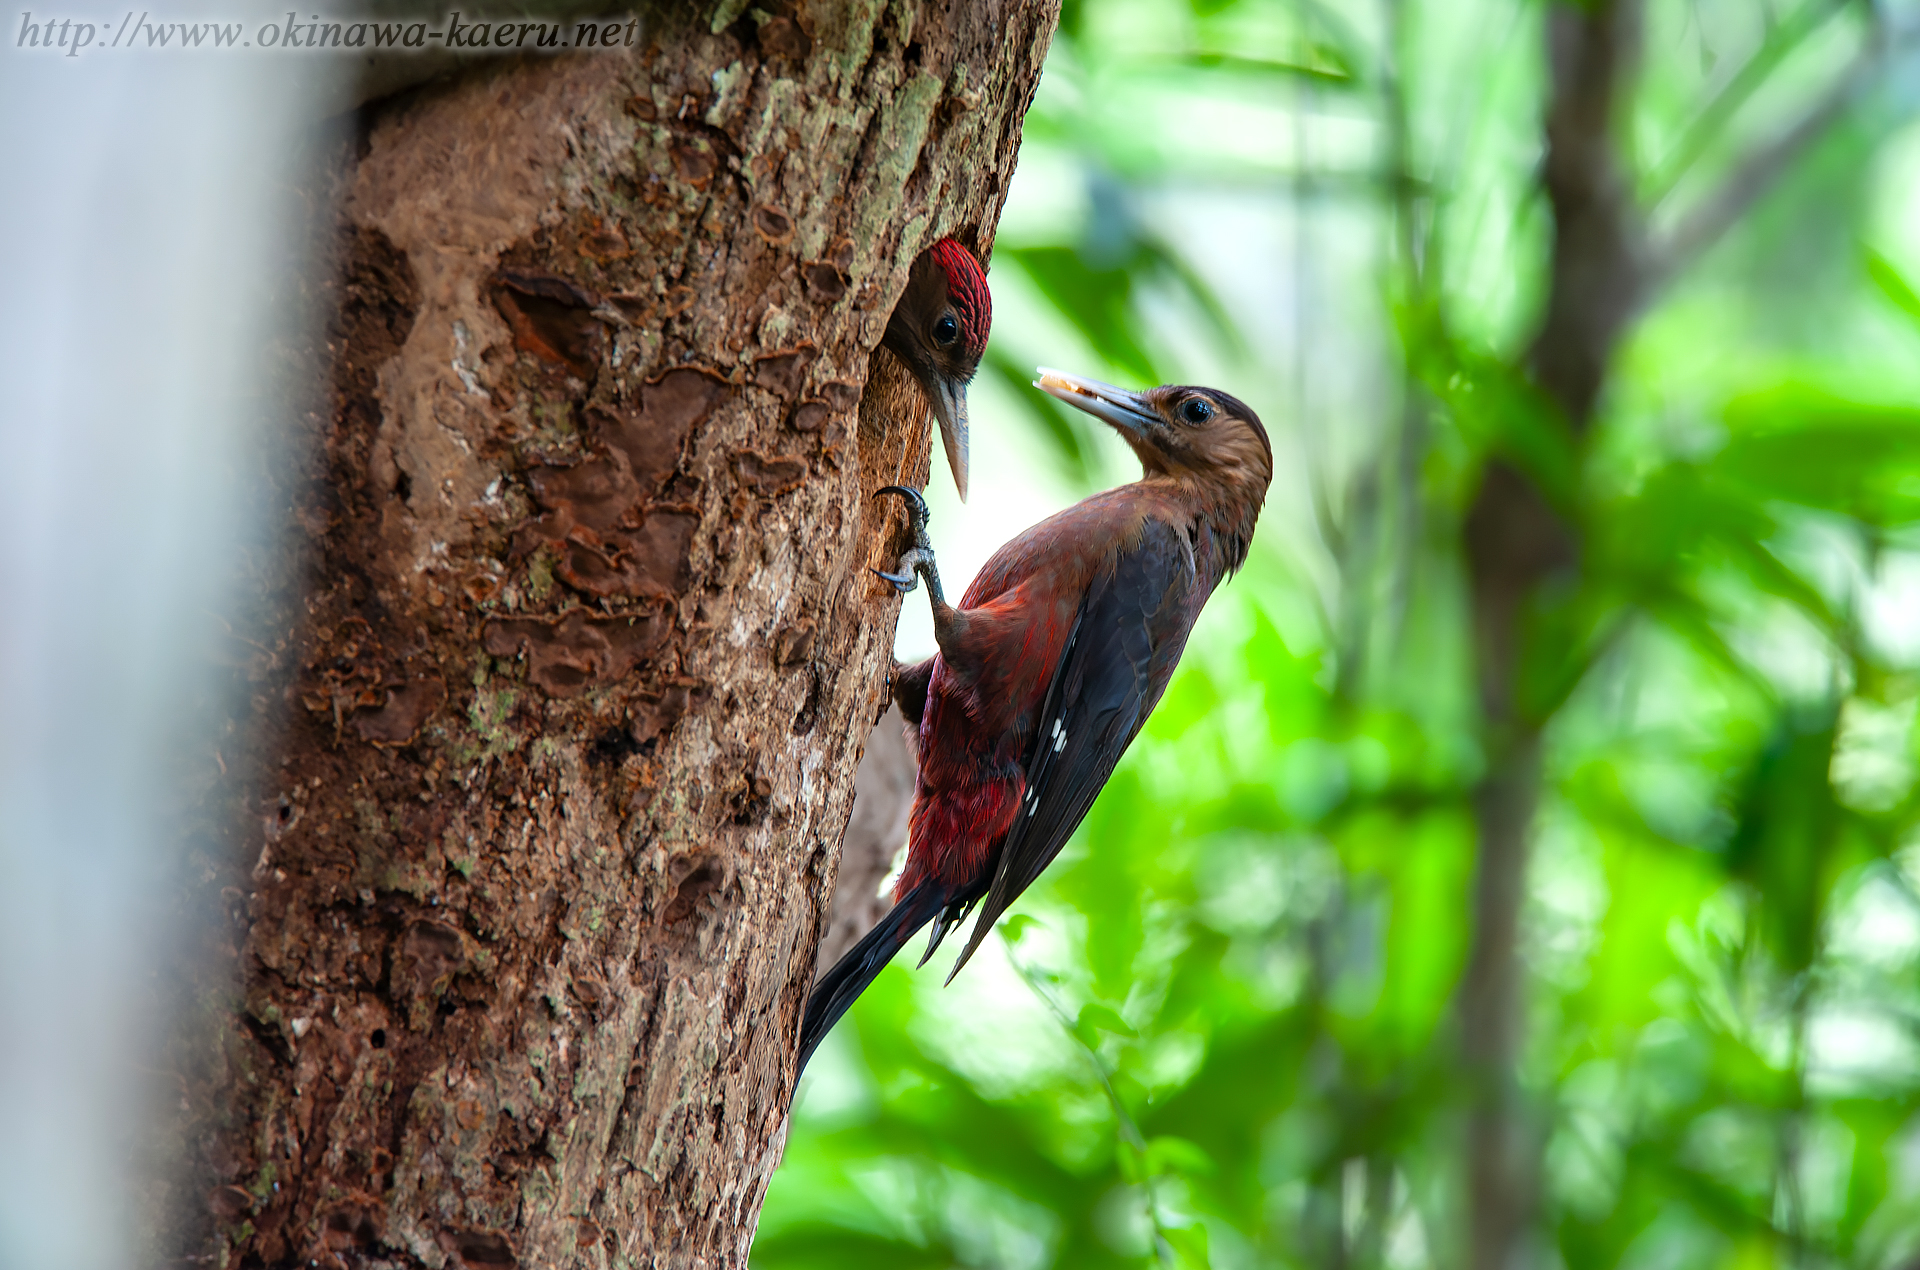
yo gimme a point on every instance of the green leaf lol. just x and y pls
(1325, 71)
(1133, 1169)
(1067, 432)
(1789, 823)
(1015, 925)
(1892, 285)
(1094, 1015)
(1811, 448)
(1189, 1244)
(1098, 300)
(1167, 1154)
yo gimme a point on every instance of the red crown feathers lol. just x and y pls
(967, 286)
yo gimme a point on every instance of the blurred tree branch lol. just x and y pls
(1605, 269)
(1515, 542)
(1781, 40)
(1126, 1128)
(1754, 174)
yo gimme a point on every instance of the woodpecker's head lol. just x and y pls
(939, 329)
(1177, 430)
(1209, 443)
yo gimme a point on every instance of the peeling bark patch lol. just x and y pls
(434, 949)
(597, 493)
(597, 571)
(810, 416)
(429, 956)
(655, 712)
(783, 372)
(648, 563)
(634, 306)
(229, 1204)
(398, 721)
(793, 644)
(842, 394)
(681, 398)
(552, 319)
(351, 1225)
(783, 37)
(670, 407)
(768, 477)
(825, 282)
(694, 162)
(567, 656)
(531, 284)
(604, 242)
(703, 876)
(773, 225)
(479, 1249)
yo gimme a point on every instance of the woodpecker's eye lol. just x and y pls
(946, 330)
(1196, 410)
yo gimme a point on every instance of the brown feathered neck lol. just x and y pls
(1227, 503)
(1221, 472)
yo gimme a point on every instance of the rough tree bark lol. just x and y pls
(522, 836)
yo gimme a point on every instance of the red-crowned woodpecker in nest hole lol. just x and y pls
(939, 329)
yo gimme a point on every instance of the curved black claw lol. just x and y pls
(917, 514)
(919, 558)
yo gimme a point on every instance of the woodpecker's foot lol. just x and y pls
(919, 558)
(914, 562)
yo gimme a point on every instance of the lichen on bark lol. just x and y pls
(575, 646)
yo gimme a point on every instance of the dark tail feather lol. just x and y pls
(841, 986)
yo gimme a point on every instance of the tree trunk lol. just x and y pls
(525, 831)
(1516, 543)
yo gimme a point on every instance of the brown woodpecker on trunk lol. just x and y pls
(1052, 661)
(939, 329)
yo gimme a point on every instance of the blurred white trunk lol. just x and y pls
(141, 236)
(882, 799)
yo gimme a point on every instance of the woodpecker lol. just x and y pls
(939, 329)
(1052, 662)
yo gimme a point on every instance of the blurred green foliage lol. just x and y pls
(1221, 1031)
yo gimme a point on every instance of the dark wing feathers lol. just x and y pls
(841, 986)
(1130, 630)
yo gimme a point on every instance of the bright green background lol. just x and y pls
(1219, 1031)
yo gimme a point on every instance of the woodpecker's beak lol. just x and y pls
(1126, 411)
(949, 399)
